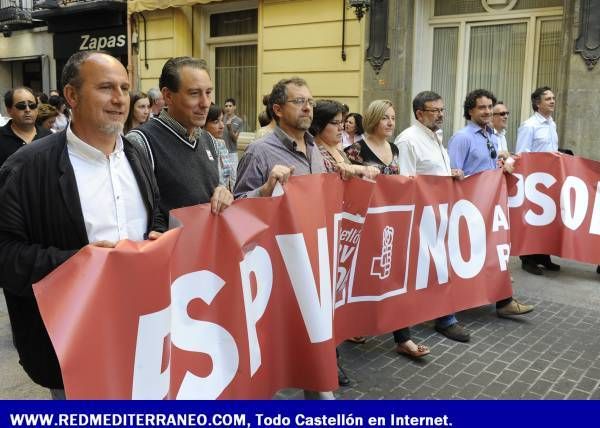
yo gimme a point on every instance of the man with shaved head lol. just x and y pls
(84, 185)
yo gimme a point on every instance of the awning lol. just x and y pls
(143, 5)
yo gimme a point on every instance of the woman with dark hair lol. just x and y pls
(214, 127)
(377, 151)
(62, 120)
(326, 127)
(139, 111)
(353, 129)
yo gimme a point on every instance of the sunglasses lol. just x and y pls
(491, 148)
(22, 105)
(504, 113)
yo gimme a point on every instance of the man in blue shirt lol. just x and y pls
(474, 149)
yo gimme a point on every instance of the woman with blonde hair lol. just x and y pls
(375, 150)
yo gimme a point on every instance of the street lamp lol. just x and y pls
(360, 7)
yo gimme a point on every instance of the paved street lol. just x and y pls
(551, 353)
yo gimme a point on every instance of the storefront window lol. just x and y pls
(235, 77)
(496, 58)
(510, 56)
(443, 77)
(234, 23)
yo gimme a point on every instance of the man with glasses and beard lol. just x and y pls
(21, 106)
(421, 152)
(474, 149)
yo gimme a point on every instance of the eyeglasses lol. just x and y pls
(338, 123)
(300, 102)
(503, 114)
(22, 105)
(490, 147)
(435, 110)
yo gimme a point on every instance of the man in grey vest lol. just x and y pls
(184, 160)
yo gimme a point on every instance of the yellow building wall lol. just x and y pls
(295, 38)
(304, 38)
(169, 33)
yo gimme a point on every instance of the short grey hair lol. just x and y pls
(153, 95)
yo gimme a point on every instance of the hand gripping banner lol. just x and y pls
(243, 304)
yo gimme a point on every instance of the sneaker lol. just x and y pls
(532, 268)
(514, 308)
(454, 332)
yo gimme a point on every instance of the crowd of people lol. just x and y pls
(114, 163)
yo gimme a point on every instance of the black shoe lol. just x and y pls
(551, 266)
(532, 268)
(343, 379)
(598, 269)
(454, 332)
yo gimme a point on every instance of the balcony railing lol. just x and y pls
(15, 13)
(54, 4)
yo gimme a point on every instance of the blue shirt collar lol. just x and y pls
(473, 128)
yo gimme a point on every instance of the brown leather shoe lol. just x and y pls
(514, 308)
(454, 332)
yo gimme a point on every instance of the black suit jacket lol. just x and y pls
(41, 226)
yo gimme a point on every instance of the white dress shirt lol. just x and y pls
(422, 152)
(60, 123)
(502, 144)
(537, 134)
(111, 202)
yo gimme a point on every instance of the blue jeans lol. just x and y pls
(446, 321)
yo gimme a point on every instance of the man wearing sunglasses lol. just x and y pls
(474, 149)
(21, 106)
(500, 123)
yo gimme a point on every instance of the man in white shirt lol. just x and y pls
(538, 134)
(421, 152)
(500, 122)
(85, 185)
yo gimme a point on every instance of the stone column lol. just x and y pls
(394, 79)
(578, 127)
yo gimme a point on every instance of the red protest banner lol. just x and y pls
(254, 300)
(555, 207)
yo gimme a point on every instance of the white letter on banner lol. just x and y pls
(544, 201)
(202, 336)
(149, 383)
(595, 224)
(477, 237)
(518, 199)
(500, 220)
(317, 315)
(432, 240)
(503, 251)
(572, 217)
(259, 262)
